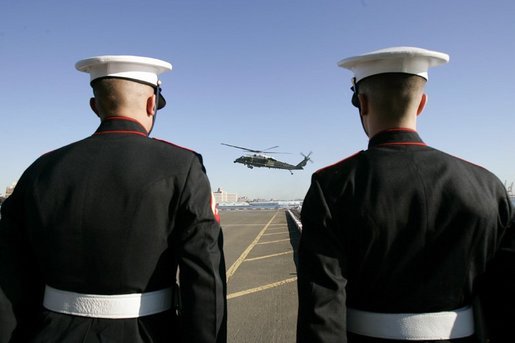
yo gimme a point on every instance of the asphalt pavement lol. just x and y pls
(260, 250)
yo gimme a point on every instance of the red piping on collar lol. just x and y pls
(122, 118)
(121, 131)
(399, 129)
(403, 143)
(395, 129)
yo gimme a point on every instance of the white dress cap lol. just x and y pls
(137, 68)
(407, 60)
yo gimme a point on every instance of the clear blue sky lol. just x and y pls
(258, 74)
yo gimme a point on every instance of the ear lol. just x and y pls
(363, 104)
(422, 104)
(151, 105)
(93, 105)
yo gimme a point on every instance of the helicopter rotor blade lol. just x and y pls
(274, 152)
(242, 148)
(257, 151)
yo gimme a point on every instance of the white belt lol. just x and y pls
(108, 306)
(412, 326)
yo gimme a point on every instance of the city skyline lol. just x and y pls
(233, 196)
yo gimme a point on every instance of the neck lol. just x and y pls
(376, 125)
(144, 121)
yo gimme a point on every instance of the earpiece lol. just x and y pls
(355, 100)
(354, 88)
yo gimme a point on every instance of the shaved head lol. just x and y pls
(394, 93)
(113, 95)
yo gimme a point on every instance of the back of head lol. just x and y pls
(115, 96)
(393, 95)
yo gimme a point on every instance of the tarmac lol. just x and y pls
(260, 250)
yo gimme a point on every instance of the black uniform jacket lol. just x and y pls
(404, 228)
(114, 213)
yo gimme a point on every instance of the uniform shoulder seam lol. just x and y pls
(174, 145)
(339, 162)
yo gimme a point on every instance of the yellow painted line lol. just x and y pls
(243, 256)
(276, 233)
(261, 288)
(279, 240)
(283, 226)
(247, 225)
(250, 224)
(267, 256)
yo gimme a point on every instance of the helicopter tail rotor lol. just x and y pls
(307, 157)
(303, 163)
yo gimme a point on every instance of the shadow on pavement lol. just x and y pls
(294, 235)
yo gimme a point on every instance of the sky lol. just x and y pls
(258, 74)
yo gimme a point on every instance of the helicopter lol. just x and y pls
(258, 159)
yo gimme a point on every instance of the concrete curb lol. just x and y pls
(295, 220)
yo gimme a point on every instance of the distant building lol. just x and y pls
(222, 196)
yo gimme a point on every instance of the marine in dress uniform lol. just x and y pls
(92, 236)
(403, 242)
